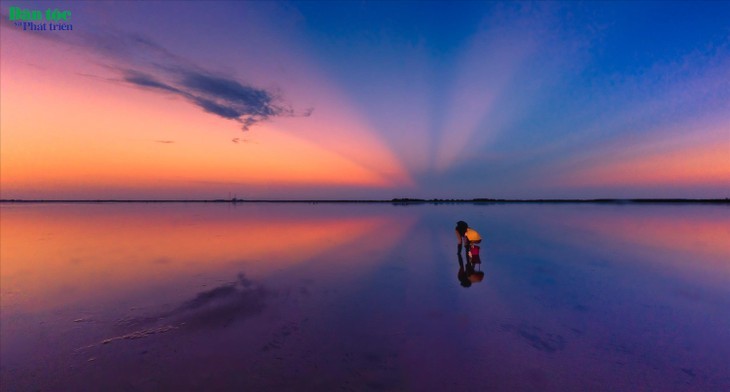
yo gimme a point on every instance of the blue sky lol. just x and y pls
(437, 99)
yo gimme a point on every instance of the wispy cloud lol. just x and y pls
(141, 62)
(224, 97)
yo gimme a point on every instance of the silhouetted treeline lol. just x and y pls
(399, 201)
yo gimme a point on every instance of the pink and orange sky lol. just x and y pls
(373, 100)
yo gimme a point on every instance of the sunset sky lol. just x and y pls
(367, 100)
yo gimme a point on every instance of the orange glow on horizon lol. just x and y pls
(691, 165)
(64, 131)
(81, 141)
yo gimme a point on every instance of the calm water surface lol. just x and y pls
(363, 297)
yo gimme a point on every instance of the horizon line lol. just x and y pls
(392, 201)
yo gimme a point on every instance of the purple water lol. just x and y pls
(363, 297)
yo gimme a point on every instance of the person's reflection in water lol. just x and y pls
(467, 273)
(463, 278)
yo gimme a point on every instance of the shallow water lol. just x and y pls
(363, 297)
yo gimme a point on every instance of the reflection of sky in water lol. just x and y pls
(364, 296)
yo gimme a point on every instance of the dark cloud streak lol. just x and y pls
(143, 80)
(254, 100)
(223, 97)
(221, 110)
(143, 63)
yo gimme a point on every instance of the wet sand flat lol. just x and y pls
(363, 297)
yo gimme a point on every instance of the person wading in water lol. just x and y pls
(468, 238)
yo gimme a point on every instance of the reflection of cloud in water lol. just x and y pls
(217, 307)
(221, 305)
(536, 337)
